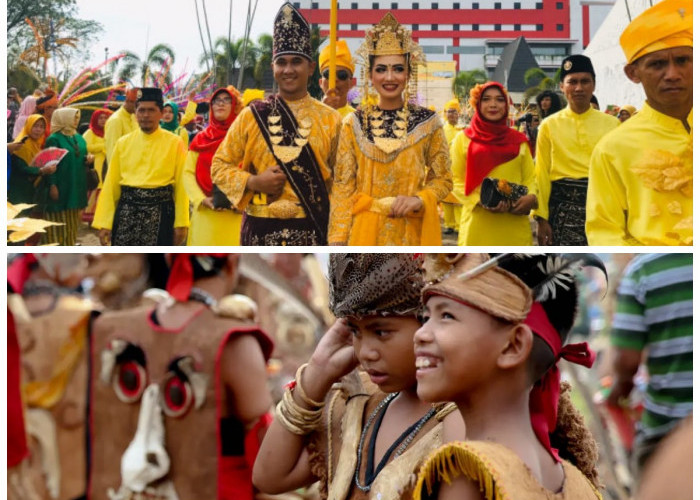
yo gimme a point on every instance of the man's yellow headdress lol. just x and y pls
(343, 56)
(666, 25)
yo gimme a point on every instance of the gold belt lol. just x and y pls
(282, 209)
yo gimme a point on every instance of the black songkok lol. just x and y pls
(291, 34)
(150, 94)
(576, 64)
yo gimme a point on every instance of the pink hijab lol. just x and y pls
(27, 108)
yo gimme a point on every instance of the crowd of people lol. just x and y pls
(429, 376)
(292, 170)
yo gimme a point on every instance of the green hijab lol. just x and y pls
(172, 125)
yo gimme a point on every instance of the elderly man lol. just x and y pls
(143, 201)
(121, 123)
(337, 98)
(565, 142)
(277, 158)
(641, 186)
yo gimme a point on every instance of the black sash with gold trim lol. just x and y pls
(300, 167)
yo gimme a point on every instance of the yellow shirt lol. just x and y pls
(451, 131)
(479, 226)
(96, 147)
(144, 161)
(565, 142)
(365, 175)
(640, 191)
(346, 110)
(117, 126)
(208, 227)
(244, 152)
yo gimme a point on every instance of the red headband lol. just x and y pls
(19, 270)
(181, 275)
(544, 397)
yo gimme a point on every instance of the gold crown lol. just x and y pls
(388, 37)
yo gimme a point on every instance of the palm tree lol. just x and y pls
(538, 81)
(316, 41)
(264, 58)
(227, 56)
(159, 58)
(465, 80)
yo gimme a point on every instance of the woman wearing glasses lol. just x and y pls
(213, 223)
(393, 166)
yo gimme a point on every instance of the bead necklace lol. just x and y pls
(399, 445)
(199, 295)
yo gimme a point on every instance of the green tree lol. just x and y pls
(264, 60)
(227, 56)
(537, 81)
(316, 41)
(132, 67)
(465, 80)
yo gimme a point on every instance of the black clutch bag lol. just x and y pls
(219, 198)
(494, 191)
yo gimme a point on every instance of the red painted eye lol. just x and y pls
(130, 381)
(177, 396)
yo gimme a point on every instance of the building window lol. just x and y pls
(497, 5)
(415, 5)
(353, 5)
(540, 27)
(434, 6)
(455, 27)
(375, 5)
(475, 6)
(475, 27)
(516, 27)
(560, 27)
(516, 5)
(353, 27)
(456, 5)
(560, 5)
(314, 5)
(297, 5)
(414, 27)
(394, 5)
(539, 6)
(497, 27)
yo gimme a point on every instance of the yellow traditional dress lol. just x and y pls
(145, 161)
(118, 125)
(346, 110)
(245, 152)
(565, 142)
(208, 227)
(641, 185)
(478, 226)
(368, 179)
(499, 472)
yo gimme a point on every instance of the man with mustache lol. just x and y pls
(641, 185)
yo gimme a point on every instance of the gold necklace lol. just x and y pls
(398, 130)
(287, 153)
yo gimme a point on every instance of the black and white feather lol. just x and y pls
(560, 272)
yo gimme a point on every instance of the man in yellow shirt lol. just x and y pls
(451, 206)
(344, 70)
(641, 186)
(143, 200)
(122, 122)
(277, 158)
(565, 142)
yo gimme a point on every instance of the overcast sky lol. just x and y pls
(138, 25)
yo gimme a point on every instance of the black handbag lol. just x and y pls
(91, 178)
(220, 200)
(494, 191)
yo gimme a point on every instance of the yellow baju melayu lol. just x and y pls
(143, 160)
(565, 142)
(118, 125)
(244, 152)
(345, 110)
(367, 180)
(478, 226)
(640, 191)
(451, 206)
(208, 227)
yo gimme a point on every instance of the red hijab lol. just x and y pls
(492, 143)
(207, 142)
(96, 129)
